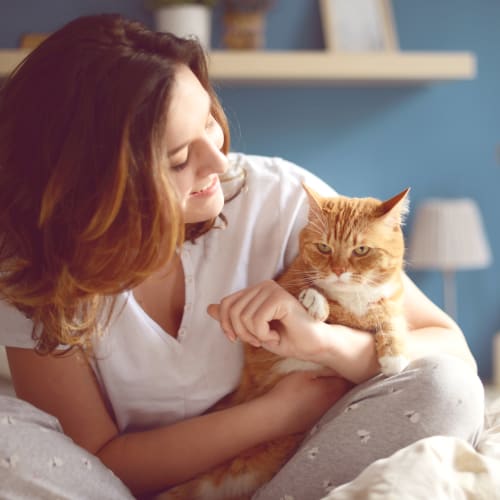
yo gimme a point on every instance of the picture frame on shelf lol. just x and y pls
(358, 25)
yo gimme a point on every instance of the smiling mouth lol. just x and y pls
(208, 187)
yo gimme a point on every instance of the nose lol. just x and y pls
(210, 158)
(338, 270)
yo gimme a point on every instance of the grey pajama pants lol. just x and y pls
(438, 395)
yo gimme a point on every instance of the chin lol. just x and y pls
(192, 215)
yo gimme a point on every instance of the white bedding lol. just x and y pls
(435, 468)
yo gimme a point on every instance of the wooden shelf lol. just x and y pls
(321, 67)
(329, 68)
(10, 58)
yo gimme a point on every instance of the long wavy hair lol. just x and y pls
(86, 206)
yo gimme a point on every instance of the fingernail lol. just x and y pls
(230, 335)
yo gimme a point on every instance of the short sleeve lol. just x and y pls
(15, 328)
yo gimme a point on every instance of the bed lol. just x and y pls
(435, 468)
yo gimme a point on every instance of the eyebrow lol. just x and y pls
(184, 144)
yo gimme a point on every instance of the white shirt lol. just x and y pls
(151, 378)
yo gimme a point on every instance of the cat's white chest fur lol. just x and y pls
(355, 298)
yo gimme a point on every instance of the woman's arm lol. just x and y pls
(267, 315)
(153, 460)
(433, 331)
(352, 353)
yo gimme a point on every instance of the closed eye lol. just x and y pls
(179, 166)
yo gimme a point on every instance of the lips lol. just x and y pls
(208, 188)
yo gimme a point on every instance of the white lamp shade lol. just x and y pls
(448, 234)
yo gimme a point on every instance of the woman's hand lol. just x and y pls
(267, 315)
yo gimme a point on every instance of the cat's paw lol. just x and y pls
(393, 364)
(315, 303)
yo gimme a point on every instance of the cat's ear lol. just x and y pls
(314, 201)
(394, 210)
(311, 194)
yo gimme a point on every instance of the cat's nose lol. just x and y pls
(338, 270)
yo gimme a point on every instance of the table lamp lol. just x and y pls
(448, 235)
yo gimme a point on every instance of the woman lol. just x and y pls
(123, 220)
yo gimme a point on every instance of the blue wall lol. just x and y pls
(439, 139)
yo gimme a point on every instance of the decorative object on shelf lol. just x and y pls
(245, 23)
(32, 40)
(184, 18)
(358, 25)
(448, 235)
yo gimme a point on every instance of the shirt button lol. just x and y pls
(181, 332)
(188, 307)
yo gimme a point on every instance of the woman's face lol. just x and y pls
(194, 141)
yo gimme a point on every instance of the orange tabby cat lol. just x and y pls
(348, 271)
(351, 257)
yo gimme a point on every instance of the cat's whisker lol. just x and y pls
(307, 272)
(303, 278)
(369, 281)
(300, 281)
(298, 278)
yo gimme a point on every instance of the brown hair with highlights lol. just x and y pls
(86, 206)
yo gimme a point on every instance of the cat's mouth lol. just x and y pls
(334, 279)
(334, 283)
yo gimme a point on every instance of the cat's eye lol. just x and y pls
(361, 251)
(324, 248)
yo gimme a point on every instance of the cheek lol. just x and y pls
(182, 183)
(316, 261)
(372, 267)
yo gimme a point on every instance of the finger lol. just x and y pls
(230, 311)
(269, 306)
(277, 306)
(273, 346)
(278, 345)
(257, 315)
(258, 310)
(213, 311)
